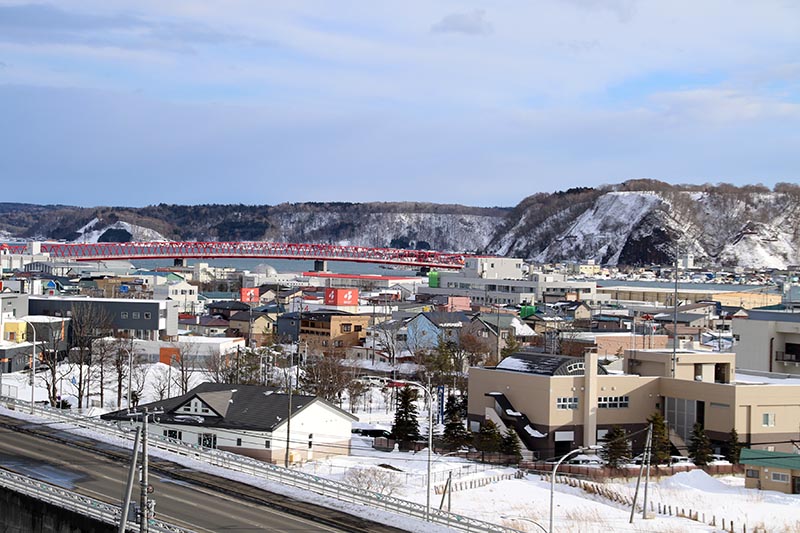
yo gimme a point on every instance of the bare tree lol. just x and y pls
(184, 363)
(139, 377)
(50, 355)
(325, 377)
(89, 321)
(102, 361)
(159, 380)
(124, 361)
(374, 479)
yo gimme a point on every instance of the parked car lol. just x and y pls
(586, 460)
(680, 460)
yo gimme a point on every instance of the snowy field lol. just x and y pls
(518, 503)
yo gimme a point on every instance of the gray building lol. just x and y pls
(139, 319)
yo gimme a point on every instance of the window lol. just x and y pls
(780, 477)
(567, 403)
(238, 442)
(147, 316)
(207, 440)
(324, 343)
(123, 315)
(357, 328)
(173, 434)
(752, 473)
(347, 328)
(135, 316)
(612, 402)
(768, 420)
(310, 440)
(267, 444)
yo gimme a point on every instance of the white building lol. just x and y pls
(503, 280)
(250, 420)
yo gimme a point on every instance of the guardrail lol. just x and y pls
(319, 485)
(78, 503)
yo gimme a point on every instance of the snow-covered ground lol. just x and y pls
(521, 503)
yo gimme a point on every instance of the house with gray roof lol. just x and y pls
(251, 420)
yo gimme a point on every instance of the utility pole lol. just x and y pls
(675, 314)
(145, 510)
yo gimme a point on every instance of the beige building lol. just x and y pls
(555, 405)
(665, 295)
(331, 333)
(771, 470)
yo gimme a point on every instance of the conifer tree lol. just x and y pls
(660, 448)
(616, 449)
(455, 433)
(509, 445)
(733, 447)
(700, 446)
(405, 428)
(489, 438)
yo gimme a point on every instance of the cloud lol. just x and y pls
(623, 9)
(472, 23)
(46, 24)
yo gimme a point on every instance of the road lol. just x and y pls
(200, 508)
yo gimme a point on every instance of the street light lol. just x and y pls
(553, 476)
(537, 524)
(33, 362)
(430, 441)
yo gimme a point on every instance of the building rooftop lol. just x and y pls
(545, 364)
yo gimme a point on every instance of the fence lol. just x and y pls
(478, 482)
(83, 505)
(319, 485)
(726, 524)
(601, 473)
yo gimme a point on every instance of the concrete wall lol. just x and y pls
(21, 513)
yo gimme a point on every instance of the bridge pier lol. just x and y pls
(179, 262)
(320, 265)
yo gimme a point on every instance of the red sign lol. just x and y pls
(341, 296)
(249, 295)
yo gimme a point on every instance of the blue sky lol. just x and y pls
(480, 103)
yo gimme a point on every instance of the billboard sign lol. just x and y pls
(341, 296)
(249, 295)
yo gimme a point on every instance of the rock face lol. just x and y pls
(727, 227)
(634, 223)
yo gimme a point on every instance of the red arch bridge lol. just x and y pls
(241, 250)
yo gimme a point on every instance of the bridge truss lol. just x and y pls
(244, 250)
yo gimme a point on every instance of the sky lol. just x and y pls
(478, 103)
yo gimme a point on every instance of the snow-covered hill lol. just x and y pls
(754, 229)
(634, 223)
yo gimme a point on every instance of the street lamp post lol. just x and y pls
(33, 363)
(430, 442)
(553, 478)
